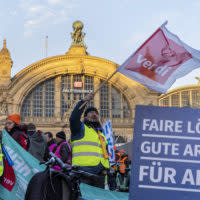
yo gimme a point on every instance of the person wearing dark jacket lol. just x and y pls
(17, 131)
(37, 142)
(89, 145)
(62, 149)
(51, 142)
(50, 139)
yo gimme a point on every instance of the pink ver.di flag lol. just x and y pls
(160, 61)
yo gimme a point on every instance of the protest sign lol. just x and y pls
(166, 154)
(107, 130)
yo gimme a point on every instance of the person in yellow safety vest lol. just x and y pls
(89, 145)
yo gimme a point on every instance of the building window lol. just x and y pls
(185, 98)
(38, 101)
(104, 101)
(49, 98)
(126, 108)
(73, 89)
(195, 98)
(26, 107)
(77, 88)
(175, 100)
(89, 87)
(164, 102)
(65, 94)
(116, 103)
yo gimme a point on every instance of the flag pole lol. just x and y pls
(46, 44)
(101, 85)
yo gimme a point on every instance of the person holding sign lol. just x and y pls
(89, 145)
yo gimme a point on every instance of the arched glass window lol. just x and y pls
(26, 107)
(116, 103)
(49, 98)
(104, 101)
(89, 87)
(185, 98)
(77, 88)
(164, 101)
(74, 88)
(175, 99)
(37, 108)
(40, 101)
(65, 94)
(195, 98)
(126, 108)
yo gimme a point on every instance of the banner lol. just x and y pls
(25, 166)
(160, 61)
(107, 130)
(166, 154)
(93, 193)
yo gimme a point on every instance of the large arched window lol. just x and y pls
(59, 94)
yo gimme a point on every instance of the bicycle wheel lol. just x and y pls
(44, 187)
(35, 186)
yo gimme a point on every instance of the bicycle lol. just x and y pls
(53, 185)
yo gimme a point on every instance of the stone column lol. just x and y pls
(57, 98)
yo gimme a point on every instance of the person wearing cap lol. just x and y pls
(17, 131)
(87, 141)
(62, 149)
(123, 175)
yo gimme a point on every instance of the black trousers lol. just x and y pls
(112, 181)
(99, 183)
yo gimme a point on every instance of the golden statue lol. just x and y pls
(78, 35)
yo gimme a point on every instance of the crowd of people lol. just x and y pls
(87, 146)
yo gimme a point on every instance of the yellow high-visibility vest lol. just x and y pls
(1, 162)
(88, 151)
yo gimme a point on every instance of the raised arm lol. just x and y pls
(75, 118)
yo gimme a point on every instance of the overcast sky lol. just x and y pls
(114, 28)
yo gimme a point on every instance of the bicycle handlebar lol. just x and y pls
(60, 162)
(49, 162)
(67, 168)
(88, 175)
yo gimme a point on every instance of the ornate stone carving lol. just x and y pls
(3, 108)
